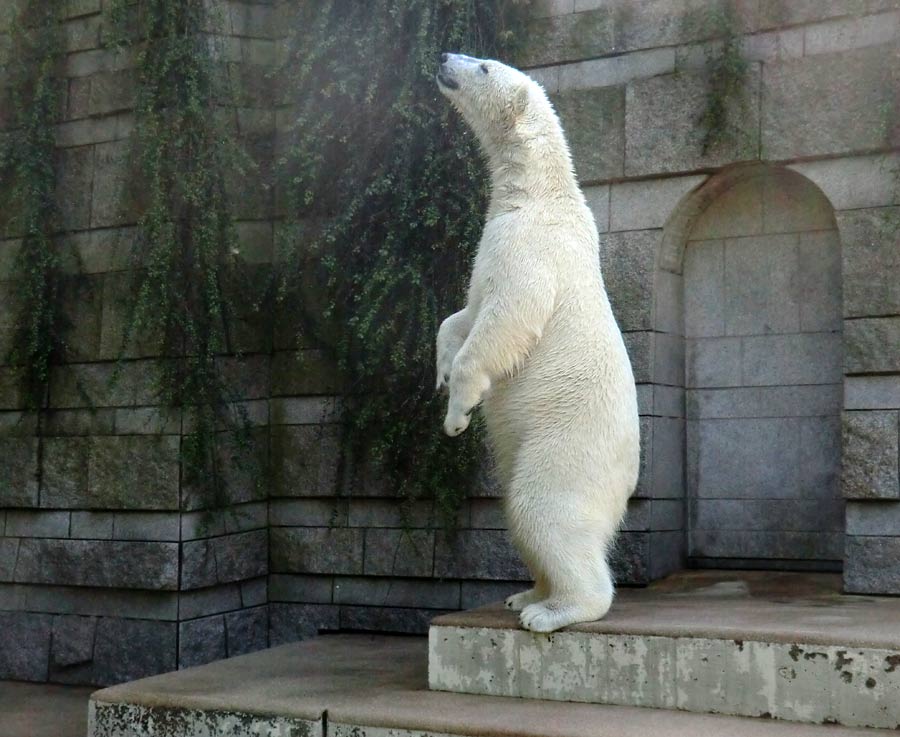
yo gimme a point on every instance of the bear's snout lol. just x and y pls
(445, 76)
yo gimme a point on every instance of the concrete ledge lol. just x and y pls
(784, 646)
(361, 686)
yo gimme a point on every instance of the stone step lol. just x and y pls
(365, 686)
(756, 644)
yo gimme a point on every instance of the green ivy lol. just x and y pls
(184, 259)
(391, 191)
(28, 192)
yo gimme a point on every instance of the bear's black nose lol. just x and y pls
(444, 58)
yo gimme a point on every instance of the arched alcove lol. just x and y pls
(756, 253)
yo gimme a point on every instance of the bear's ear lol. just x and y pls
(520, 101)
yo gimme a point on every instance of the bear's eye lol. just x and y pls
(484, 68)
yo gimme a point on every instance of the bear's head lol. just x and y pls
(492, 97)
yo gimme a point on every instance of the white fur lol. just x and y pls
(538, 344)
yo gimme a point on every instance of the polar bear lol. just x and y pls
(538, 345)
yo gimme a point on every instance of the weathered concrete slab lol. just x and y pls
(784, 646)
(374, 687)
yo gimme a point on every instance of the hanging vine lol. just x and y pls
(28, 192)
(391, 191)
(184, 254)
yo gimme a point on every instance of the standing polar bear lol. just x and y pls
(537, 343)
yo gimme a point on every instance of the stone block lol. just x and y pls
(77, 8)
(873, 518)
(479, 593)
(73, 640)
(247, 631)
(128, 649)
(397, 592)
(760, 274)
(303, 410)
(667, 514)
(90, 601)
(112, 92)
(317, 550)
(870, 565)
(81, 304)
(669, 303)
(669, 359)
(819, 262)
(666, 554)
(399, 553)
(870, 455)
(112, 472)
(201, 641)
(827, 104)
(735, 213)
(872, 345)
(594, 123)
(648, 203)
(637, 516)
(387, 619)
(667, 458)
(25, 646)
(853, 33)
(713, 362)
(629, 558)
(820, 457)
(293, 622)
(872, 392)
(568, 37)
(627, 261)
(224, 559)
(871, 261)
(779, 13)
(90, 384)
(792, 205)
(33, 523)
(747, 459)
(82, 33)
(645, 470)
(663, 131)
(205, 602)
(74, 183)
(640, 352)
(19, 472)
(159, 526)
(766, 401)
(112, 203)
(825, 546)
(851, 183)
(806, 358)
(597, 198)
(479, 554)
(300, 589)
(704, 295)
(305, 460)
(616, 70)
(767, 515)
(140, 565)
(254, 592)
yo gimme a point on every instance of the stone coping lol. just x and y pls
(372, 686)
(760, 606)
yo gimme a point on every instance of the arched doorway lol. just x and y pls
(763, 370)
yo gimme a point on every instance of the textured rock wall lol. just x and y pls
(107, 572)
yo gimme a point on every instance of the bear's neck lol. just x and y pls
(530, 168)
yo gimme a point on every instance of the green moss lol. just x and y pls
(28, 191)
(392, 191)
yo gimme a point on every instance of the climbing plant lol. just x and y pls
(391, 192)
(184, 253)
(28, 190)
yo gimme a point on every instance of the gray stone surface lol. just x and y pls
(305, 460)
(18, 475)
(293, 622)
(25, 645)
(662, 124)
(714, 362)
(481, 554)
(142, 565)
(627, 261)
(766, 401)
(397, 592)
(300, 588)
(316, 550)
(201, 641)
(127, 649)
(872, 345)
(824, 104)
(398, 553)
(870, 455)
(872, 392)
(871, 261)
(873, 518)
(247, 631)
(224, 559)
(34, 523)
(387, 619)
(870, 565)
(73, 640)
(806, 358)
(594, 124)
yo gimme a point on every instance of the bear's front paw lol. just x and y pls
(456, 421)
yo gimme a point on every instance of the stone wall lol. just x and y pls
(108, 573)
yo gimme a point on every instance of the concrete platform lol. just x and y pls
(43, 710)
(362, 686)
(763, 644)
